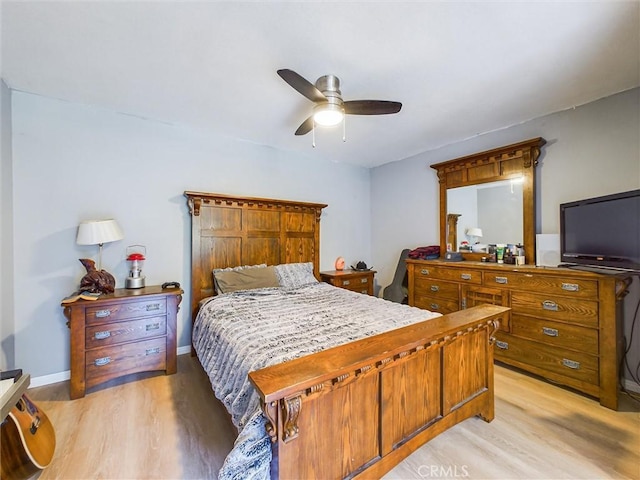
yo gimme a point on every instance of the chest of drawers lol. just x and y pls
(129, 331)
(564, 325)
(354, 280)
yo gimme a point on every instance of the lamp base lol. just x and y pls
(134, 282)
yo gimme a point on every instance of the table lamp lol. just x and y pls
(473, 233)
(98, 232)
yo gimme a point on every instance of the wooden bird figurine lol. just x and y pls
(96, 281)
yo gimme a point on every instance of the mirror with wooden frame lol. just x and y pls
(493, 191)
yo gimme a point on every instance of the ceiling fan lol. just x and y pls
(330, 108)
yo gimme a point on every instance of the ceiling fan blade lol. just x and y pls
(302, 85)
(371, 107)
(305, 127)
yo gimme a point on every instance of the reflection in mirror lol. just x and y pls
(495, 208)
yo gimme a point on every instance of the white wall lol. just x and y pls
(74, 162)
(7, 325)
(591, 150)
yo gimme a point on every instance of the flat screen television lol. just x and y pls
(602, 231)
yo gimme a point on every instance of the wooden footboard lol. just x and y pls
(359, 409)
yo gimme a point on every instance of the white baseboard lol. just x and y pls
(183, 350)
(66, 375)
(49, 379)
(631, 385)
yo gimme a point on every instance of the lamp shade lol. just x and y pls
(474, 232)
(97, 232)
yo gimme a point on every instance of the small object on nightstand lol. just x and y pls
(360, 267)
(136, 255)
(170, 285)
(339, 263)
(85, 295)
(95, 280)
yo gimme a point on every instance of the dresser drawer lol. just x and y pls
(120, 332)
(357, 288)
(571, 287)
(435, 288)
(443, 273)
(562, 335)
(435, 304)
(105, 363)
(583, 312)
(574, 365)
(107, 313)
(352, 283)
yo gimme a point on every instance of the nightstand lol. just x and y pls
(128, 331)
(355, 280)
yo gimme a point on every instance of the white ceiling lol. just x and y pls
(460, 69)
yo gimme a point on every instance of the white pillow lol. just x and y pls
(294, 275)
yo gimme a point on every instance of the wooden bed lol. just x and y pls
(357, 410)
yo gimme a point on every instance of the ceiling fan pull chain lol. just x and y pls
(344, 128)
(313, 135)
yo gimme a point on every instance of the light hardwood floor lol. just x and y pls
(172, 427)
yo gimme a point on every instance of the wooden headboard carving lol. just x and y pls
(228, 231)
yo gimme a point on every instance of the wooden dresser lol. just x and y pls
(360, 281)
(129, 331)
(564, 325)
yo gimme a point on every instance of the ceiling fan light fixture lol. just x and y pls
(328, 114)
(330, 109)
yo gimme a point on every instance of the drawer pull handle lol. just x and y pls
(502, 280)
(103, 313)
(99, 362)
(346, 282)
(502, 345)
(152, 307)
(151, 351)
(571, 364)
(152, 326)
(434, 306)
(435, 288)
(424, 271)
(570, 287)
(550, 305)
(552, 332)
(102, 335)
(364, 280)
(466, 276)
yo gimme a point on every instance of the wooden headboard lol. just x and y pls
(229, 231)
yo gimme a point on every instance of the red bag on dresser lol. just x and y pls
(425, 253)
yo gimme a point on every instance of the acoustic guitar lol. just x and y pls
(28, 441)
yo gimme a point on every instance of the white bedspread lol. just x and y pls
(239, 332)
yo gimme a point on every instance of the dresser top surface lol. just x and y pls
(530, 269)
(126, 293)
